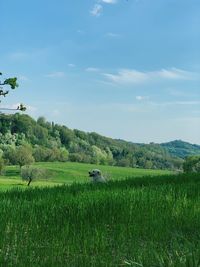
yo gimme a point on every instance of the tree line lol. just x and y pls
(25, 140)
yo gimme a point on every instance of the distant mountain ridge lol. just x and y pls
(181, 149)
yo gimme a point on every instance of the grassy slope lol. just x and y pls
(60, 173)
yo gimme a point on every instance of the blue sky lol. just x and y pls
(125, 69)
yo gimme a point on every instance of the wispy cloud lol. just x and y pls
(96, 10)
(128, 76)
(174, 73)
(71, 65)
(112, 35)
(109, 1)
(92, 69)
(182, 93)
(175, 103)
(140, 97)
(56, 74)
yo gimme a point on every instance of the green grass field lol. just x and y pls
(140, 221)
(68, 173)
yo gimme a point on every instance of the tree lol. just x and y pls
(9, 154)
(41, 153)
(192, 164)
(1, 165)
(12, 83)
(99, 156)
(30, 173)
(24, 156)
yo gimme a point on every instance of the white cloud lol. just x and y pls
(109, 1)
(129, 76)
(174, 73)
(71, 65)
(175, 103)
(113, 35)
(91, 69)
(140, 97)
(56, 74)
(96, 10)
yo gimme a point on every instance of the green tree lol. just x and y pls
(64, 154)
(41, 154)
(30, 173)
(99, 156)
(123, 162)
(66, 136)
(41, 134)
(12, 83)
(75, 157)
(5, 123)
(24, 156)
(2, 165)
(192, 164)
(10, 154)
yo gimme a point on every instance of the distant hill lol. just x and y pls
(48, 142)
(181, 149)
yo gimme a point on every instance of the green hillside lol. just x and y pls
(42, 141)
(71, 172)
(181, 149)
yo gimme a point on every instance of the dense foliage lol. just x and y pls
(181, 149)
(149, 221)
(1, 165)
(192, 164)
(43, 141)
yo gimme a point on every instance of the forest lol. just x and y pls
(24, 140)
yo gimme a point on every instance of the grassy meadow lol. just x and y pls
(133, 220)
(69, 172)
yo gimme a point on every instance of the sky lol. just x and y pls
(126, 69)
